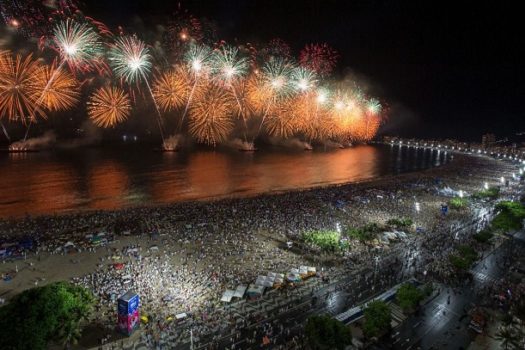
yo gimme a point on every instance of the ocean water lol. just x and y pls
(106, 178)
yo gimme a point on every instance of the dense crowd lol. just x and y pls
(180, 258)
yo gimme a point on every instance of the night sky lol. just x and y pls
(444, 71)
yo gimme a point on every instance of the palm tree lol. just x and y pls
(508, 321)
(69, 333)
(507, 337)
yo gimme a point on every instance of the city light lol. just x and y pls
(417, 206)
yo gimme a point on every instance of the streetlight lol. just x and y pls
(417, 206)
(460, 193)
(502, 180)
(338, 227)
(486, 185)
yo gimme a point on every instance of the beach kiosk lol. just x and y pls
(128, 312)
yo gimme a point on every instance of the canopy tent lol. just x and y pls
(260, 280)
(239, 291)
(227, 296)
(181, 316)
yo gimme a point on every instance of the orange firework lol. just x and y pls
(59, 89)
(3, 60)
(239, 91)
(310, 112)
(210, 116)
(19, 95)
(171, 89)
(259, 96)
(284, 122)
(108, 106)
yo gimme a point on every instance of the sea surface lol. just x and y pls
(105, 178)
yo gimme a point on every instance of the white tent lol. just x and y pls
(268, 281)
(181, 316)
(227, 296)
(260, 280)
(239, 291)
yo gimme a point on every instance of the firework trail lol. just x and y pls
(131, 61)
(197, 59)
(228, 68)
(276, 80)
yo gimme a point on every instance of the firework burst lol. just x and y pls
(19, 94)
(276, 48)
(182, 29)
(284, 121)
(320, 58)
(227, 66)
(303, 79)
(130, 59)
(171, 88)
(78, 45)
(198, 58)
(210, 116)
(277, 75)
(108, 106)
(373, 106)
(219, 89)
(59, 89)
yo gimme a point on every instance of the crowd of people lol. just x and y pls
(180, 258)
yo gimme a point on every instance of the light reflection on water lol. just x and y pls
(49, 182)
